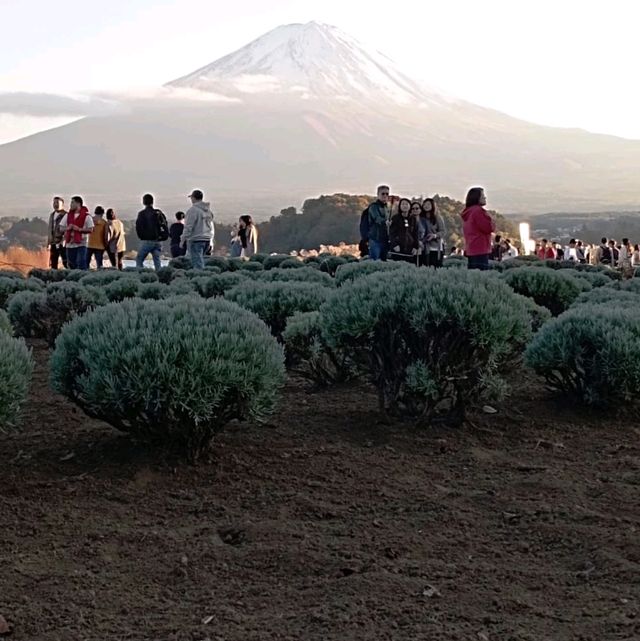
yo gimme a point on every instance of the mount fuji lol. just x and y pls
(303, 110)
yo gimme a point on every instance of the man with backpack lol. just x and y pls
(198, 229)
(152, 229)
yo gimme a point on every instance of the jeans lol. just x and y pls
(197, 249)
(378, 250)
(149, 247)
(478, 262)
(99, 256)
(77, 257)
(57, 253)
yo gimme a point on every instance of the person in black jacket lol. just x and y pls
(403, 233)
(178, 248)
(151, 227)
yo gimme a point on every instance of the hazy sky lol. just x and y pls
(560, 62)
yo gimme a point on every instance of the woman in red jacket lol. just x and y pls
(477, 227)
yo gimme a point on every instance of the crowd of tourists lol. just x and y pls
(394, 228)
(76, 238)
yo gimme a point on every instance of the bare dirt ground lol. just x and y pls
(327, 524)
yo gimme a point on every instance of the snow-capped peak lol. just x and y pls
(311, 60)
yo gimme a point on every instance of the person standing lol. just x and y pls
(235, 246)
(377, 217)
(177, 247)
(496, 248)
(603, 253)
(545, 252)
(625, 259)
(117, 243)
(615, 253)
(152, 229)
(77, 226)
(248, 234)
(477, 227)
(403, 234)
(635, 258)
(198, 229)
(97, 244)
(436, 232)
(55, 239)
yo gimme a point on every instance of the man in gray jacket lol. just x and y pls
(198, 229)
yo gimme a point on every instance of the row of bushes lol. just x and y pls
(431, 342)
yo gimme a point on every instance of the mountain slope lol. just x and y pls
(314, 112)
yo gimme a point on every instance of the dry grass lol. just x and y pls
(24, 260)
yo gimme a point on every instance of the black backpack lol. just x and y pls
(163, 226)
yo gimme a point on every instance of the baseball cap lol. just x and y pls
(197, 194)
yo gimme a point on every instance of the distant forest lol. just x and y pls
(327, 220)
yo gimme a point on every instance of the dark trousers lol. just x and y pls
(115, 259)
(434, 259)
(178, 250)
(57, 253)
(99, 256)
(478, 262)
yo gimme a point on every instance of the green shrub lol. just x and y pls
(460, 262)
(49, 275)
(331, 263)
(217, 261)
(153, 291)
(236, 263)
(75, 275)
(5, 323)
(166, 274)
(350, 272)
(270, 262)
(258, 258)
(308, 354)
(432, 343)
(11, 273)
(306, 275)
(9, 286)
(632, 285)
(183, 287)
(63, 302)
(537, 314)
(27, 314)
(276, 302)
(608, 297)
(251, 266)
(291, 263)
(121, 289)
(103, 277)
(312, 260)
(181, 262)
(552, 289)
(16, 367)
(171, 373)
(217, 285)
(589, 353)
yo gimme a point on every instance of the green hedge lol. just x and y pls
(10, 285)
(16, 367)
(305, 275)
(353, 271)
(308, 354)
(432, 342)
(589, 353)
(551, 289)
(171, 373)
(276, 302)
(5, 323)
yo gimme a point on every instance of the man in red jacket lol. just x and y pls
(477, 227)
(77, 226)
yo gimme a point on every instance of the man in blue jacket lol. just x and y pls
(378, 229)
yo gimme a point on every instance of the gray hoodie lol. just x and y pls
(198, 223)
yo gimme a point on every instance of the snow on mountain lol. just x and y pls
(310, 60)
